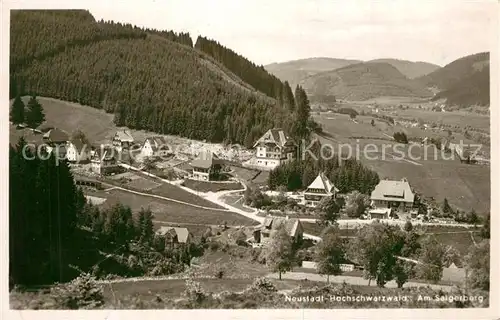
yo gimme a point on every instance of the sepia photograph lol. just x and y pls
(240, 155)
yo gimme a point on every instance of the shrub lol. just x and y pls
(219, 274)
(194, 292)
(263, 285)
(81, 293)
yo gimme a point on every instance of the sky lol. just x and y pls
(277, 31)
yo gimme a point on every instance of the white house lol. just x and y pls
(393, 194)
(274, 148)
(155, 147)
(103, 161)
(319, 189)
(77, 151)
(122, 140)
(206, 167)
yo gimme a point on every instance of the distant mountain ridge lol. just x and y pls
(463, 82)
(363, 81)
(410, 69)
(297, 70)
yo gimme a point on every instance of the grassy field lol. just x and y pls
(206, 186)
(235, 201)
(172, 212)
(465, 186)
(174, 192)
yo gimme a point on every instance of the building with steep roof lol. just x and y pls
(103, 161)
(206, 167)
(318, 190)
(263, 232)
(77, 151)
(274, 148)
(175, 235)
(155, 146)
(123, 140)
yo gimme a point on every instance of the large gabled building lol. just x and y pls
(263, 232)
(318, 190)
(155, 147)
(393, 194)
(206, 167)
(274, 148)
(123, 140)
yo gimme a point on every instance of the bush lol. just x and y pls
(81, 293)
(263, 285)
(194, 292)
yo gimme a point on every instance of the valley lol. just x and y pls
(159, 170)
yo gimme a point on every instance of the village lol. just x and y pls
(158, 169)
(222, 175)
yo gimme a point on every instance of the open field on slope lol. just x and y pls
(172, 212)
(435, 175)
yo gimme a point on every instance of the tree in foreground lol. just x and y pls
(431, 257)
(35, 115)
(79, 135)
(329, 210)
(17, 111)
(329, 254)
(280, 254)
(356, 204)
(485, 230)
(376, 248)
(477, 265)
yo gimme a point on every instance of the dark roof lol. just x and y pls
(56, 135)
(206, 161)
(106, 153)
(275, 135)
(181, 233)
(79, 144)
(273, 223)
(157, 142)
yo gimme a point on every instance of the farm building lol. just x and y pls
(262, 233)
(175, 236)
(55, 136)
(318, 190)
(55, 141)
(206, 167)
(77, 151)
(122, 140)
(393, 194)
(103, 161)
(274, 148)
(155, 147)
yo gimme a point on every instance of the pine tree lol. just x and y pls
(35, 115)
(17, 111)
(303, 112)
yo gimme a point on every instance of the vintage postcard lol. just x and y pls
(289, 157)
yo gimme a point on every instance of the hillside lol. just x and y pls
(410, 69)
(150, 79)
(363, 81)
(296, 70)
(462, 82)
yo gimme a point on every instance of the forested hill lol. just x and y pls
(150, 79)
(249, 72)
(463, 82)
